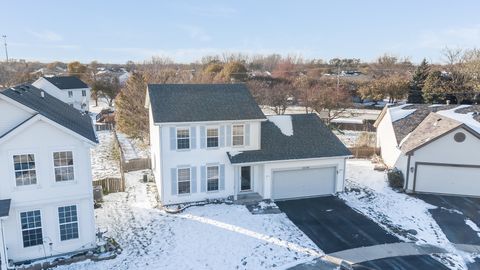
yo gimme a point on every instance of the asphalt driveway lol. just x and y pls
(452, 214)
(333, 225)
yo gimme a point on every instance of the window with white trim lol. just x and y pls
(212, 178)
(31, 228)
(63, 164)
(70, 94)
(84, 93)
(238, 134)
(212, 137)
(183, 179)
(183, 138)
(25, 173)
(68, 220)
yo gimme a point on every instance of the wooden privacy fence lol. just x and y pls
(110, 185)
(364, 151)
(136, 164)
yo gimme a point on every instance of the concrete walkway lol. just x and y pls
(364, 254)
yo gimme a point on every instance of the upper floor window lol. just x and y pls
(70, 94)
(183, 138)
(238, 135)
(31, 228)
(212, 178)
(84, 93)
(212, 137)
(68, 220)
(183, 181)
(25, 173)
(63, 164)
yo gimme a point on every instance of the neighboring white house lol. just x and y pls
(437, 147)
(212, 141)
(46, 200)
(68, 89)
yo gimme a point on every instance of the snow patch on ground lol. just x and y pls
(466, 118)
(133, 148)
(104, 164)
(283, 122)
(399, 213)
(472, 225)
(397, 113)
(204, 237)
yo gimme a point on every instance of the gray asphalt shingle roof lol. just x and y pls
(66, 82)
(311, 139)
(202, 102)
(53, 109)
(4, 208)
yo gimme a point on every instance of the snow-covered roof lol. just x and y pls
(283, 122)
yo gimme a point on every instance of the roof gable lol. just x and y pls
(172, 103)
(311, 138)
(66, 82)
(52, 109)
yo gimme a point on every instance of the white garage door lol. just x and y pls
(303, 183)
(448, 179)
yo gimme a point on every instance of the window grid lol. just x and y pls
(84, 93)
(237, 135)
(63, 164)
(31, 228)
(183, 181)
(212, 178)
(25, 173)
(183, 138)
(68, 220)
(212, 137)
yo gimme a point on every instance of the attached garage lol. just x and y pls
(309, 182)
(447, 179)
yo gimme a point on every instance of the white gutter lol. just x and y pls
(208, 122)
(289, 160)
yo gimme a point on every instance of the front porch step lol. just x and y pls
(248, 198)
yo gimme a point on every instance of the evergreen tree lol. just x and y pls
(415, 94)
(130, 113)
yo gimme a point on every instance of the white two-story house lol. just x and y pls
(212, 141)
(46, 200)
(68, 89)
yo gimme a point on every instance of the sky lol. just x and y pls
(118, 31)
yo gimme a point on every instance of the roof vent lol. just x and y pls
(42, 94)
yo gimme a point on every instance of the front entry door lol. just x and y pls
(246, 178)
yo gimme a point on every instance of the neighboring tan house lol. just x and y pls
(437, 147)
(212, 141)
(46, 199)
(68, 89)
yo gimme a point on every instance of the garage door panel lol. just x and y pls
(303, 183)
(448, 180)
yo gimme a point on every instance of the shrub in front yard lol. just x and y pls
(395, 178)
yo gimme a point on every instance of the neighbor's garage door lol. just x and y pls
(303, 183)
(447, 179)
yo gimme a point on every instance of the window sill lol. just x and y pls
(213, 191)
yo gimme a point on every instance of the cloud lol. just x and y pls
(195, 32)
(452, 37)
(47, 35)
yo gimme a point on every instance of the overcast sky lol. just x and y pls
(117, 31)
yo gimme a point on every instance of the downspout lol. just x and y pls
(4, 263)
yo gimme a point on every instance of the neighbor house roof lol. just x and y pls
(202, 102)
(414, 114)
(4, 208)
(53, 109)
(430, 129)
(311, 139)
(66, 82)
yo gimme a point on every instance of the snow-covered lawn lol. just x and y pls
(406, 217)
(104, 164)
(133, 148)
(204, 237)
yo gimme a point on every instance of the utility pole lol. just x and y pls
(6, 50)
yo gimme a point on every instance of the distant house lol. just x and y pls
(46, 200)
(211, 141)
(437, 147)
(68, 89)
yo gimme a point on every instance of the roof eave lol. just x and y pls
(287, 160)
